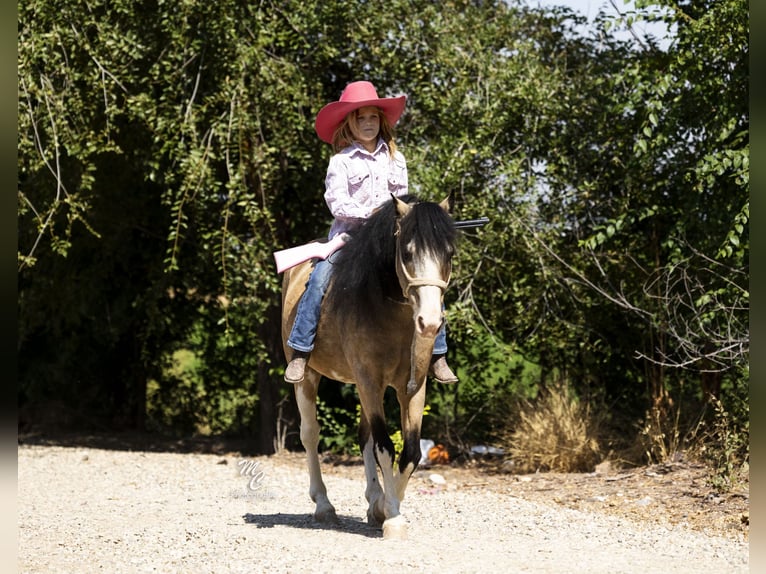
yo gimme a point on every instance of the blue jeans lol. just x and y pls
(307, 318)
(304, 329)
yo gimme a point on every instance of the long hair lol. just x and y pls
(364, 271)
(343, 137)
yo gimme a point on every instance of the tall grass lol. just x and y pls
(555, 432)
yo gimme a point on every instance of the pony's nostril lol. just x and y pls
(427, 327)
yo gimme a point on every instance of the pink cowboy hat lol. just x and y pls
(356, 95)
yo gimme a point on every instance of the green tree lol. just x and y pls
(166, 149)
(648, 178)
(165, 152)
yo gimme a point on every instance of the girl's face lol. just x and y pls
(366, 126)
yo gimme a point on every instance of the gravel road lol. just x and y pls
(92, 510)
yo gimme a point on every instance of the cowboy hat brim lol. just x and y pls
(330, 117)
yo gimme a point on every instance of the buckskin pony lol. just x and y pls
(380, 315)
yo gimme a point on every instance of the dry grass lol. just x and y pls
(555, 432)
(661, 436)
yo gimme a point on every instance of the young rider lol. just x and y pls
(364, 171)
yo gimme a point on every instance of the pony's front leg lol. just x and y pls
(411, 407)
(305, 396)
(373, 492)
(380, 446)
(394, 524)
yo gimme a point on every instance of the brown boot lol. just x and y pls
(296, 368)
(440, 370)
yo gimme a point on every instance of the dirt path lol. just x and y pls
(96, 510)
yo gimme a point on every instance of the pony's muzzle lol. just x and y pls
(429, 313)
(426, 327)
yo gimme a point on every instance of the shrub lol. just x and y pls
(724, 443)
(554, 432)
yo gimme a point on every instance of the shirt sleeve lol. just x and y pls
(397, 181)
(337, 194)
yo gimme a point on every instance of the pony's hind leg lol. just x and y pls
(305, 396)
(373, 492)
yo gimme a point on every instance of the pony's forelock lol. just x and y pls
(364, 273)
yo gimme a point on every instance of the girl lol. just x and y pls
(365, 170)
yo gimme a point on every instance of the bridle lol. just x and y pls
(406, 279)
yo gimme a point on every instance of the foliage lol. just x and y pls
(628, 181)
(338, 429)
(144, 132)
(491, 375)
(193, 404)
(662, 434)
(723, 441)
(727, 448)
(180, 411)
(166, 149)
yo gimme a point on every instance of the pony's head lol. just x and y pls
(405, 250)
(424, 248)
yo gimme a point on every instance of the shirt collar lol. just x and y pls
(357, 147)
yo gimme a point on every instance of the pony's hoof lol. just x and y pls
(395, 528)
(326, 515)
(375, 518)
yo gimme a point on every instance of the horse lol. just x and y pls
(379, 318)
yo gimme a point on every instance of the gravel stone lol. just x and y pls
(92, 510)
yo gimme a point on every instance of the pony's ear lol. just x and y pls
(402, 207)
(446, 203)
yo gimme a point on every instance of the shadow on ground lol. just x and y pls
(347, 524)
(144, 442)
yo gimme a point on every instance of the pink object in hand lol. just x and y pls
(292, 256)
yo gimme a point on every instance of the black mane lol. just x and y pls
(364, 273)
